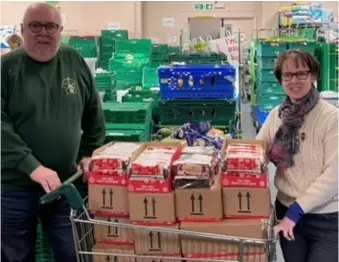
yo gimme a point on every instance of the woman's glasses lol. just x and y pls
(50, 28)
(301, 75)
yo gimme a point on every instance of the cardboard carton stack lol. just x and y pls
(245, 180)
(151, 199)
(198, 197)
(171, 186)
(108, 198)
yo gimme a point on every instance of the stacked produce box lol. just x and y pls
(105, 84)
(107, 45)
(129, 60)
(328, 56)
(269, 92)
(128, 121)
(171, 186)
(194, 93)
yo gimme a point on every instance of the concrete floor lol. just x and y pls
(249, 132)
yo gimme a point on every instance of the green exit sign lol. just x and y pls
(203, 7)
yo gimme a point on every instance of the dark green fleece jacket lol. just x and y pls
(44, 108)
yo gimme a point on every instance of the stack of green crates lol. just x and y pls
(160, 54)
(269, 92)
(107, 45)
(128, 121)
(42, 247)
(86, 46)
(327, 54)
(105, 84)
(334, 68)
(212, 58)
(129, 59)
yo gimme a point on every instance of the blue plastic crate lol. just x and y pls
(261, 115)
(197, 82)
(266, 76)
(266, 63)
(270, 49)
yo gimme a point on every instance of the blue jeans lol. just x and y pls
(316, 237)
(20, 210)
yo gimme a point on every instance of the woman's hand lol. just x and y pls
(285, 226)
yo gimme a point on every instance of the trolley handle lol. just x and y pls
(68, 190)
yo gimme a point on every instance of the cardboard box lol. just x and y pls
(112, 249)
(112, 163)
(113, 234)
(246, 202)
(151, 242)
(197, 247)
(203, 204)
(162, 183)
(242, 179)
(239, 161)
(154, 209)
(105, 197)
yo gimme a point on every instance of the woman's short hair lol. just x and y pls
(14, 41)
(300, 57)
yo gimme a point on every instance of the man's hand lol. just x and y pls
(85, 165)
(285, 226)
(47, 178)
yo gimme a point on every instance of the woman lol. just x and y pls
(301, 138)
(14, 41)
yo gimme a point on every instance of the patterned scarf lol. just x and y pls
(286, 142)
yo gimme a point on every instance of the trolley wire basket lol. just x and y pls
(216, 247)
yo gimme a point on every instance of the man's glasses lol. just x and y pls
(50, 28)
(301, 75)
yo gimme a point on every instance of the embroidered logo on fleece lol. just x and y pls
(70, 86)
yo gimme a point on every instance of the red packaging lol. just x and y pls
(240, 179)
(244, 157)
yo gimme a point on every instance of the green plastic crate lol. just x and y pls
(136, 113)
(104, 81)
(145, 96)
(150, 77)
(270, 49)
(114, 34)
(269, 100)
(133, 46)
(128, 132)
(212, 58)
(308, 47)
(266, 76)
(178, 112)
(128, 79)
(266, 63)
(43, 249)
(270, 88)
(86, 46)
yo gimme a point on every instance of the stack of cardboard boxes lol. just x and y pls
(108, 199)
(151, 200)
(183, 188)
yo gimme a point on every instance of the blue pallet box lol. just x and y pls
(197, 82)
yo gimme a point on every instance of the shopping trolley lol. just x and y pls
(225, 248)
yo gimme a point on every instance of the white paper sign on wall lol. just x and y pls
(168, 22)
(114, 26)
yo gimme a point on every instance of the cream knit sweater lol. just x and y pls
(313, 180)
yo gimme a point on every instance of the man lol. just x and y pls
(47, 98)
